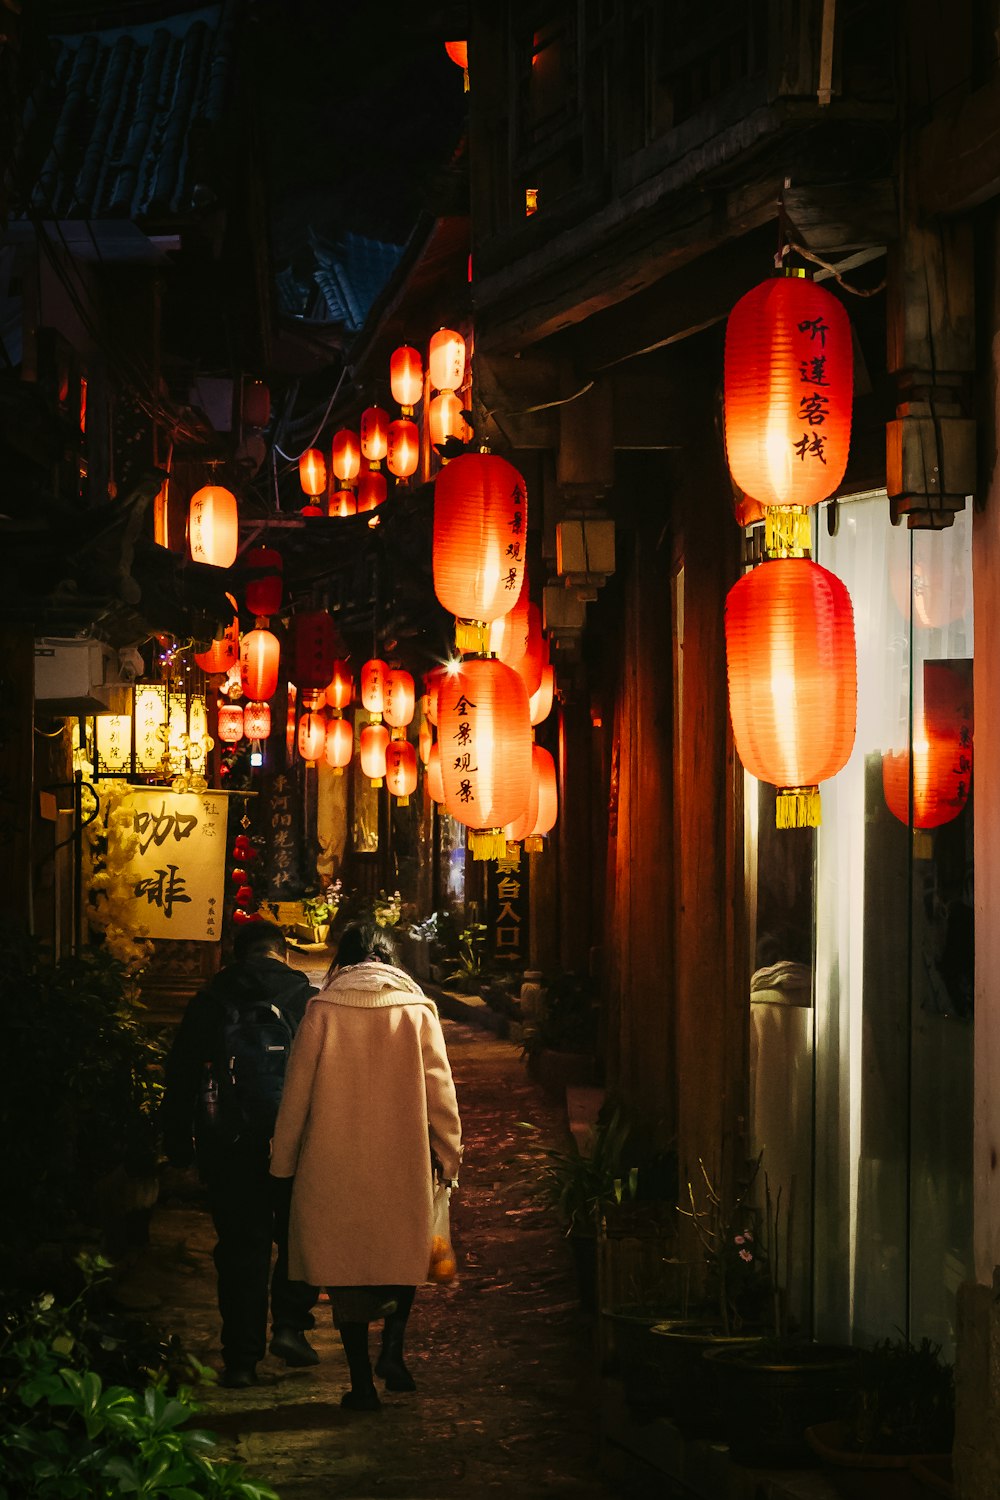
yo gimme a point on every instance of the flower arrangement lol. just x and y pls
(740, 1274)
(109, 845)
(321, 909)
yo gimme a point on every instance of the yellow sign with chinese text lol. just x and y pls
(177, 872)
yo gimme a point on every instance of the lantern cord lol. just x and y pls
(857, 291)
(322, 423)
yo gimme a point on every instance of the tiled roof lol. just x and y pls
(350, 273)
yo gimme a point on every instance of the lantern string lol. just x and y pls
(857, 291)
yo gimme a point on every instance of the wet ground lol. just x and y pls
(504, 1361)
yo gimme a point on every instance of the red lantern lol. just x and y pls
(373, 675)
(401, 770)
(404, 447)
(263, 587)
(432, 684)
(312, 737)
(230, 723)
(480, 526)
(459, 53)
(406, 378)
(257, 721)
(374, 743)
(788, 392)
(224, 652)
(339, 743)
(544, 768)
(530, 666)
(256, 403)
(372, 490)
(435, 781)
(374, 434)
(508, 637)
(399, 698)
(315, 647)
(540, 702)
(485, 735)
(792, 680)
(312, 472)
(214, 526)
(446, 360)
(340, 688)
(942, 754)
(241, 917)
(445, 420)
(346, 456)
(343, 503)
(259, 658)
(425, 739)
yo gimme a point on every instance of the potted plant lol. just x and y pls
(317, 914)
(900, 1418)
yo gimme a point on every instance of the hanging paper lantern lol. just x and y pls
(540, 702)
(373, 675)
(260, 654)
(224, 652)
(230, 723)
(432, 683)
(544, 768)
(256, 403)
(374, 743)
(425, 739)
(508, 637)
(398, 697)
(315, 648)
(521, 827)
(263, 586)
(480, 528)
(942, 754)
(312, 472)
(459, 53)
(374, 434)
(485, 735)
(340, 688)
(404, 447)
(346, 455)
(935, 595)
(214, 526)
(339, 743)
(445, 419)
(312, 737)
(529, 668)
(446, 360)
(257, 721)
(406, 377)
(372, 490)
(401, 770)
(343, 503)
(435, 781)
(792, 667)
(788, 392)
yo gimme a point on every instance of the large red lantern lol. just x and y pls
(257, 721)
(792, 665)
(942, 754)
(446, 360)
(260, 654)
(230, 723)
(372, 490)
(445, 419)
(485, 736)
(224, 652)
(346, 455)
(263, 586)
(373, 675)
(340, 688)
(312, 472)
(406, 377)
(480, 528)
(214, 526)
(401, 770)
(435, 781)
(312, 737)
(399, 698)
(374, 743)
(315, 647)
(374, 434)
(403, 447)
(788, 392)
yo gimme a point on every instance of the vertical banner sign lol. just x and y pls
(283, 838)
(507, 909)
(177, 872)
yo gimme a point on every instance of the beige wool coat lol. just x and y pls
(368, 1096)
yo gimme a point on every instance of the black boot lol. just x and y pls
(362, 1396)
(390, 1366)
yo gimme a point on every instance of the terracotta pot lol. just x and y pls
(865, 1476)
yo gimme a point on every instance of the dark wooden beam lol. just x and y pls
(958, 154)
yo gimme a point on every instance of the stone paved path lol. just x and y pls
(504, 1362)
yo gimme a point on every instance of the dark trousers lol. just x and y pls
(250, 1213)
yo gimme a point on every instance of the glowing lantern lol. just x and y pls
(340, 688)
(788, 392)
(458, 52)
(312, 472)
(446, 360)
(372, 490)
(540, 702)
(374, 743)
(401, 770)
(508, 638)
(432, 683)
(425, 739)
(214, 526)
(942, 754)
(485, 734)
(374, 434)
(373, 675)
(406, 378)
(480, 526)
(230, 723)
(399, 698)
(260, 654)
(257, 721)
(339, 743)
(224, 652)
(543, 804)
(314, 649)
(435, 781)
(263, 587)
(343, 503)
(531, 663)
(445, 420)
(312, 737)
(404, 447)
(256, 404)
(792, 667)
(346, 456)
(936, 594)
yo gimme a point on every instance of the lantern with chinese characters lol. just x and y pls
(373, 675)
(340, 688)
(339, 744)
(374, 434)
(941, 762)
(485, 736)
(792, 665)
(374, 743)
(312, 737)
(263, 581)
(406, 378)
(435, 782)
(315, 648)
(372, 490)
(312, 472)
(398, 697)
(257, 721)
(404, 447)
(445, 419)
(540, 702)
(346, 455)
(224, 652)
(401, 770)
(446, 360)
(260, 654)
(343, 503)
(230, 723)
(214, 526)
(788, 393)
(480, 529)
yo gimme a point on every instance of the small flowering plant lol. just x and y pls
(739, 1273)
(322, 908)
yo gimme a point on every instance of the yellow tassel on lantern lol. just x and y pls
(534, 845)
(402, 801)
(472, 637)
(377, 781)
(798, 807)
(488, 843)
(787, 532)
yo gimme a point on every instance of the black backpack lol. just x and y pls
(241, 1085)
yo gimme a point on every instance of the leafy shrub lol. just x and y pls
(904, 1400)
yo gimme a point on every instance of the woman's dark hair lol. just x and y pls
(362, 942)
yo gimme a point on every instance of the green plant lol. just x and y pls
(903, 1400)
(580, 1188)
(321, 909)
(470, 961)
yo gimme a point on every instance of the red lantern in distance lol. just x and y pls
(480, 527)
(373, 675)
(406, 378)
(312, 737)
(404, 447)
(459, 53)
(941, 758)
(374, 434)
(445, 420)
(312, 472)
(346, 456)
(257, 721)
(256, 403)
(314, 649)
(374, 743)
(540, 702)
(224, 652)
(343, 503)
(435, 782)
(340, 688)
(260, 654)
(339, 743)
(263, 586)
(485, 731)
(214, 526)
(398, 697)
(230, 723)
(372, 490)
(401, 770)
(446, 360)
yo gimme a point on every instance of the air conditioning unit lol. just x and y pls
(75, 676)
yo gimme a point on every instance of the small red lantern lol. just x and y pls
(372, 490)
(339, 743)
(374, 743)
(373, 675)
(446, 360)
(480, 527)
(315, 647)
(485, 734)
(312, 472)
(792, 667)
(406, 378)
(544, 768)
(531, 663)
(214, 526)
(432, 684)
(256, 403)
(312, 737)
(435, 781)
(230, 723)
(343, 503)
(399, 698)
(445, 420)
(224, 652)
(257, 721)
(340, 688)
(459, 53)
(942, 754)
(260, 654)
(346, 456)
(401, 770)
(540, 702)
(425, 739)
(263, 586)
(374, 434)
(404, 447)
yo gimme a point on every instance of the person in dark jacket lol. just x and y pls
(249, 1208)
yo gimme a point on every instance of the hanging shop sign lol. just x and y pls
(177, 871)
(507, 906)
